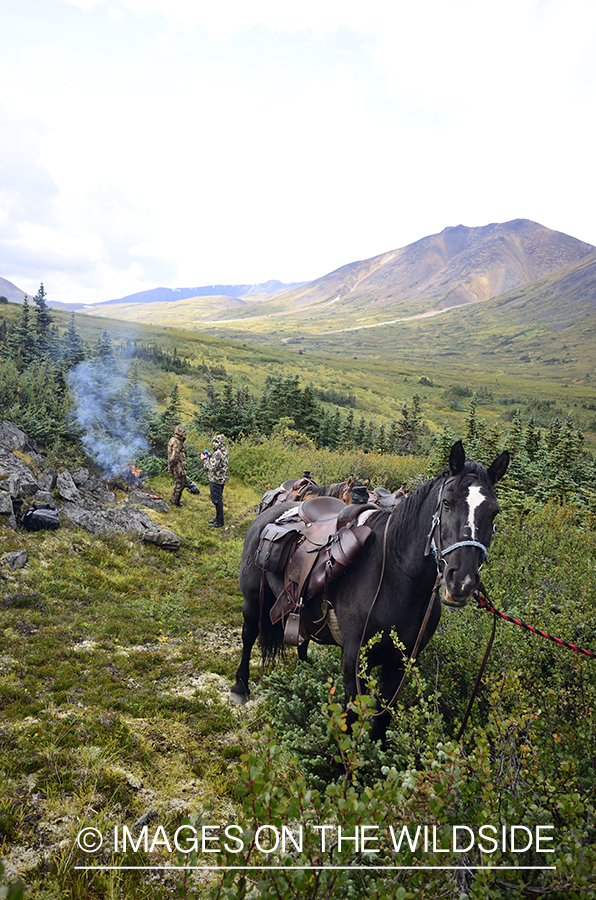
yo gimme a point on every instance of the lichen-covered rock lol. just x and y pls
(12, 437)
(140, 498)
(19, 479)
(98, 520)
(66, 487)
(15, 560)
(7, 516)
(80, 476)
(47, 480)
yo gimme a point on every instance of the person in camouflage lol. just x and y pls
(217, 464)
(177, 463)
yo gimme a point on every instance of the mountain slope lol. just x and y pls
(170, 295)
(459, 265)
(9, 290)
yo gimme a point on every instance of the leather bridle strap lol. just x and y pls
(434, 543)
(479, 675)
(412, 658)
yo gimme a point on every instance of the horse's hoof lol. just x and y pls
(238, 699)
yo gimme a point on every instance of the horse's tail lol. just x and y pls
(271, 637)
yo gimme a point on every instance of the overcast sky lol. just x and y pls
(179, 143)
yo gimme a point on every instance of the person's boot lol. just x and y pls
(216, 523)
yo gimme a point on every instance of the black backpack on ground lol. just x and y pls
(40, 516)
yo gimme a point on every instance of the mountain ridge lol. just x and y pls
(458, 265)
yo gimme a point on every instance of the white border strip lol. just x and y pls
(315, 868)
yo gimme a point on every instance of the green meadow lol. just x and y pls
(116, 659)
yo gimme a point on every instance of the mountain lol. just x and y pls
(255, 292)
(9, 290)
(458, 266)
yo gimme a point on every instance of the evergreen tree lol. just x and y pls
(381, 440)
(408, 428)
(349, 430)
(441, 450)
(336, 430)
(105, 350)
(160, 428)
(43, 321)
(74, 351)
(21, 343)
(360, 434)
(532, 439)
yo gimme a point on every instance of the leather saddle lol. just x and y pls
(287, 491)
(312, 544)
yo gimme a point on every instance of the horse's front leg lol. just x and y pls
(303, 651)
(351, 655)
(391, 679)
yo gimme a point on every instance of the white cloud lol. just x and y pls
(255, 140)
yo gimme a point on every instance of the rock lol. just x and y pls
(164, 538)
(97, 520)
(44, 497)
(80, 476)
(7, 516)
(18, 477)
(15, 560)
(94, 483)
(66, 487)
(12, 437)
(140, 498)
(47, 480)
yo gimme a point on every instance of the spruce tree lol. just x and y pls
(74, 351)
(43, 321)
(21, 343)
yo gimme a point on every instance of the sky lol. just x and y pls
(180, 143)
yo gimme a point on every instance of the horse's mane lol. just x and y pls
(406, 514)
(325, 490)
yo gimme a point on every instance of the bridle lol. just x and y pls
(434, 542)
(434, 545)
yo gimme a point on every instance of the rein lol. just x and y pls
(429, 606)
(433, 545)
(481, 598)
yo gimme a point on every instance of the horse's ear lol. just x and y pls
(498, 468)
(349, 481)
(457, 458)
(366, 483)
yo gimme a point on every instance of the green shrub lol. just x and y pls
(270, 463)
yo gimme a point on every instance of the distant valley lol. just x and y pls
(516, 296)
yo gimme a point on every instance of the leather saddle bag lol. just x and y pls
(275, 546)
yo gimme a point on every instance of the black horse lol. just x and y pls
(442, 529)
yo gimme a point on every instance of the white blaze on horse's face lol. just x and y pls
(476, 497)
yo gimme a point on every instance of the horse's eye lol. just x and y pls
(446, 504)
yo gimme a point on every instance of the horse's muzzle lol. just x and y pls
(455, 601)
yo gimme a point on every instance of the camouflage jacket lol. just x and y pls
(177, 461)
(218, 461)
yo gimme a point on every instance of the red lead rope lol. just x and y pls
(484, 603)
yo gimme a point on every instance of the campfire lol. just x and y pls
(128, 479)
(133, 477)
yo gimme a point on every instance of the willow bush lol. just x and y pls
(266, 465)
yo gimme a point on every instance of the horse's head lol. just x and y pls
(463, 523)
(355, 491)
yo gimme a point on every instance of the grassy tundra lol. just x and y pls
(116, 661)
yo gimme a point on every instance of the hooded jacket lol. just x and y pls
(217, 463)
(177, 460)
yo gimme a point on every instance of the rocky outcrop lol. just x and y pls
(81, 497)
